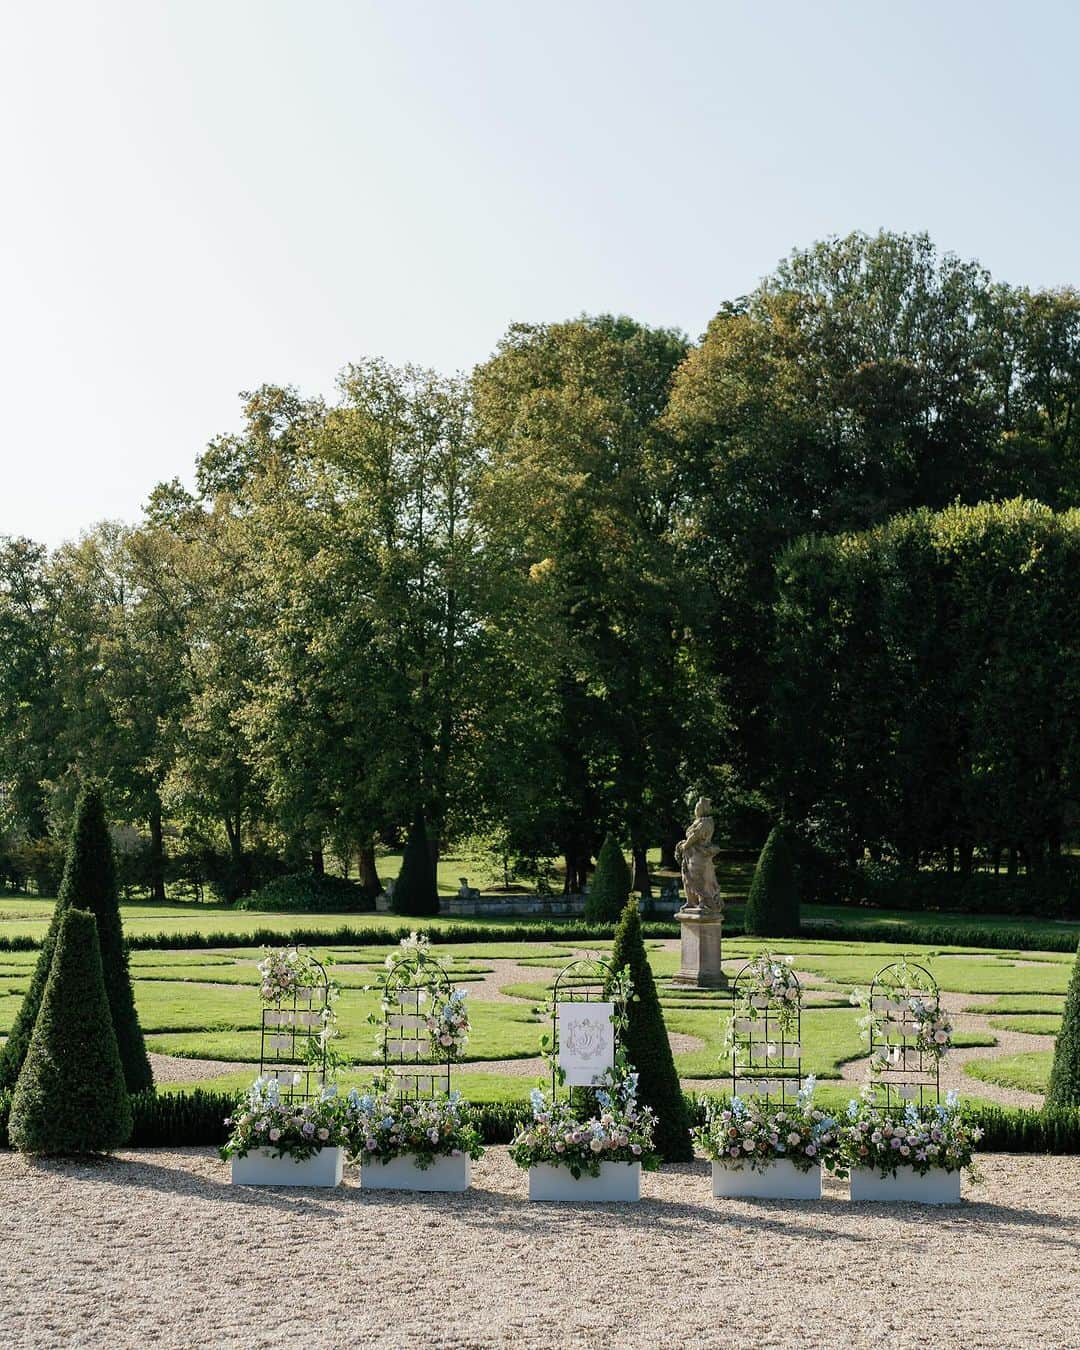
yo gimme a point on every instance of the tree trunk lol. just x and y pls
(369, 873)
(157, 854)
(965, 851)
(641, 882)
(318, 861)
(1013, 862)
(667, 854)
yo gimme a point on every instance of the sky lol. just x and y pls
(203, 196)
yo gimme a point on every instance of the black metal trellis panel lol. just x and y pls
(908, 1073)
(291, 1049)
(408, 1052)
(753, 1069)
(569, 988)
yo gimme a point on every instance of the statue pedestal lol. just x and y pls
(701, 949)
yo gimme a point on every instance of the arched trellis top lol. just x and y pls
(292, 1048)
(590, 1035)
(766, 1030)
(410, 992)
(902, 995)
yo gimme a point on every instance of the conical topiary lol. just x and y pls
(90, 883)
(415, 892)
(71, 1097)
(772, 906)
(1064, 1086)
(610, 886)
(647, 1044)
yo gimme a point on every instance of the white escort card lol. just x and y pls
(586, 1041)
(406, 1020)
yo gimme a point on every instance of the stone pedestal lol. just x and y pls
(701, 949)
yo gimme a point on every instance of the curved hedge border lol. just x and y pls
(923, 935)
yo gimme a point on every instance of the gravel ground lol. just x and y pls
(155, 1249)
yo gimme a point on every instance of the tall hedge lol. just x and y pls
(1064, 1086)
(647, 1044)
(89, 882)
(609, 889)
(416, 891)
(772, 905)
(71, 1096)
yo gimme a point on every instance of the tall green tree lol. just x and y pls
(772, 903)
(416, 892)
(609, 889)
(1063, 1090)
(576, 506)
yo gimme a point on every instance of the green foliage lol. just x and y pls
(71, 1096)
(309, 892)
(415, 892)
(647, 1044)
(1064, 1086)
(609, 889)
(772, 904)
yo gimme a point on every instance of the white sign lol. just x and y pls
(586, 1041)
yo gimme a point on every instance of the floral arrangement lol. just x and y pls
(916, 991)
(620, 1132)
(284, 972)
(446, 1017)
(921, 1138)
(379, 1128)
(760, 1132)
(448, 1026)
(770, 980)
(299, 1129)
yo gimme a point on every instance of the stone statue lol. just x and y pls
(695, 855)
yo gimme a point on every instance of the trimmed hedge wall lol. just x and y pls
(194, 1119)
(928, 935)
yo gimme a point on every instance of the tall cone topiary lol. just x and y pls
(647, 1044)
(772, 906)
(416, 892)
(1064, 1086)
(71, 1096)
(610, 886)
(89, 882)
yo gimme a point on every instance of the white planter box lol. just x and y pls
(617, 1181)
(402, 1174)
(782, 1181)
(936, 1187)
(262, 1167)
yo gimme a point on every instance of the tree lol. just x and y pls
(610, 886)
(89, 883)
(416, 892)
(647, 1044)
(1063, 1089)
(772, 905)
(70, 1096)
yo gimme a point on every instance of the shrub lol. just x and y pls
(1064, 1086)
(772, 905)
(647, 1044)
(416, 892)
(311, 893)
(71, 1097)
(610, 887)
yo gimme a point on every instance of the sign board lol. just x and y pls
(586, 1041)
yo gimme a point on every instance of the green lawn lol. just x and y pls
(1030, 1072)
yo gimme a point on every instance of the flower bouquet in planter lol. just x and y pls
(418, 1145)
(285, 1143)
(599, 1158)
(771, 1150)
(917, 1153)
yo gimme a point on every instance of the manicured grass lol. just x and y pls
(1038, 1024)
(1021, 1003)
(1030, 1072)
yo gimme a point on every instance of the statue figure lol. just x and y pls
(695, 855)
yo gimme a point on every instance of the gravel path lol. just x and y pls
(154, 1249)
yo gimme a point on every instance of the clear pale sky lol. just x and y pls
(206, 195)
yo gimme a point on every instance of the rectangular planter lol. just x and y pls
(936, 1187)
(617, 1181)
(402, 1174)
(262, 1167)
(782, 1181)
